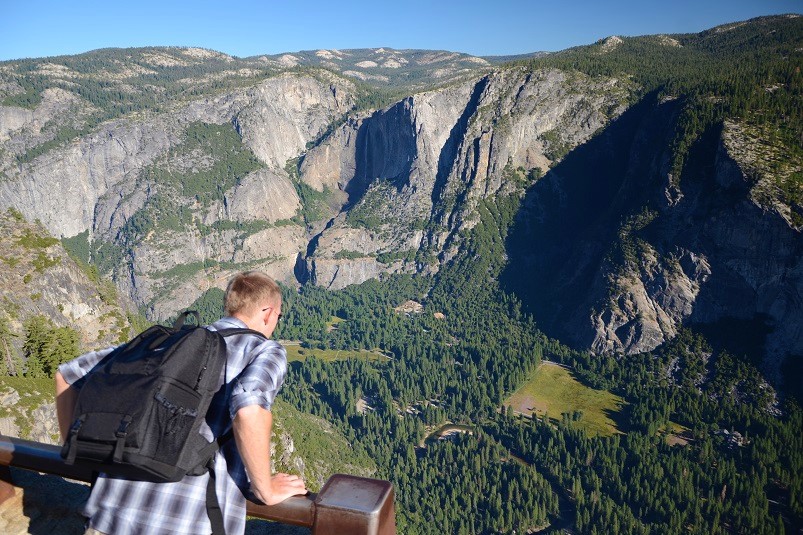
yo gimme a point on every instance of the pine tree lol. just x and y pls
(9, 353)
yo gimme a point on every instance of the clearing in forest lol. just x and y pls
(333, 323)
(297, 353)
(553, 390)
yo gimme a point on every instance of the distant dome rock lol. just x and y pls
(611, 43)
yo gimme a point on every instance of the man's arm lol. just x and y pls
(252, 427)
(66, 396)
(70, 373)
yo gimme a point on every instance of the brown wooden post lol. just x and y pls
(6, 488)
(350, 504)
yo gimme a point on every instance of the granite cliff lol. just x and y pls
(650, 254)
(132, 185)
(411, 174)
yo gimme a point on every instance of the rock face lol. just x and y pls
(649, 254)
(397, 184)
(423, 163)
(286, 113)
(104, 184)
(39, 278)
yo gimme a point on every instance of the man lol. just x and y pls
(253, 374)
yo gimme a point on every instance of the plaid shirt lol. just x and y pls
(253, 374)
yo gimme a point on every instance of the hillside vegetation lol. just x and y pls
(53, 306)
(744, 72)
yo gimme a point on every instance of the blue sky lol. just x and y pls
(36, 28)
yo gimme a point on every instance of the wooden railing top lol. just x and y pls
(345, 504)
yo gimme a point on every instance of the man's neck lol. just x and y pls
(249, 322)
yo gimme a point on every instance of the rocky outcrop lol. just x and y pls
(39, 278)
(98, 183)
(12, 119)
(424, 162)
(650, 255)
(648, 304)
(288, 112)
(22, 129)
(263, 195)
(62, 187)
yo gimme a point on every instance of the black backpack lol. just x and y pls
(139, 410)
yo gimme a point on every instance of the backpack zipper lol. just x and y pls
(201, 374)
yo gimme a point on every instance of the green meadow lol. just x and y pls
(552, 390)
(297, 353)
(333, 323)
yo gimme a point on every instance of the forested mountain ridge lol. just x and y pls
(390, 68)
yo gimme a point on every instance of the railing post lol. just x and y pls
(350, 504)
(6, 488)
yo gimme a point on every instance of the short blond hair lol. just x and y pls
(249, 290)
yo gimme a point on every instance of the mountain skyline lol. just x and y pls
(44, 29)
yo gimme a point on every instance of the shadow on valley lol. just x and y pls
(607, 213)
(792, 371)
(743, 338)
(569, 220)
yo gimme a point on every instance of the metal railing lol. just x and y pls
(345, 505)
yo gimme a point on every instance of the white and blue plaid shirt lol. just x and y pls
(253, 374)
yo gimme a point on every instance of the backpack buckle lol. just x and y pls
(121, 433)
(76, 426)
(71, 444)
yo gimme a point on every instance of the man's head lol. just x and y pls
(256, 299)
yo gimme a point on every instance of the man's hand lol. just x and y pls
(283, 486)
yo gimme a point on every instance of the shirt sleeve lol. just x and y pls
(75, 370)
(261, 380)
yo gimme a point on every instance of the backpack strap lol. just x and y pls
(179, 323)
(213, 510)
(240, 330)
(212, 505)
(212, 448)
